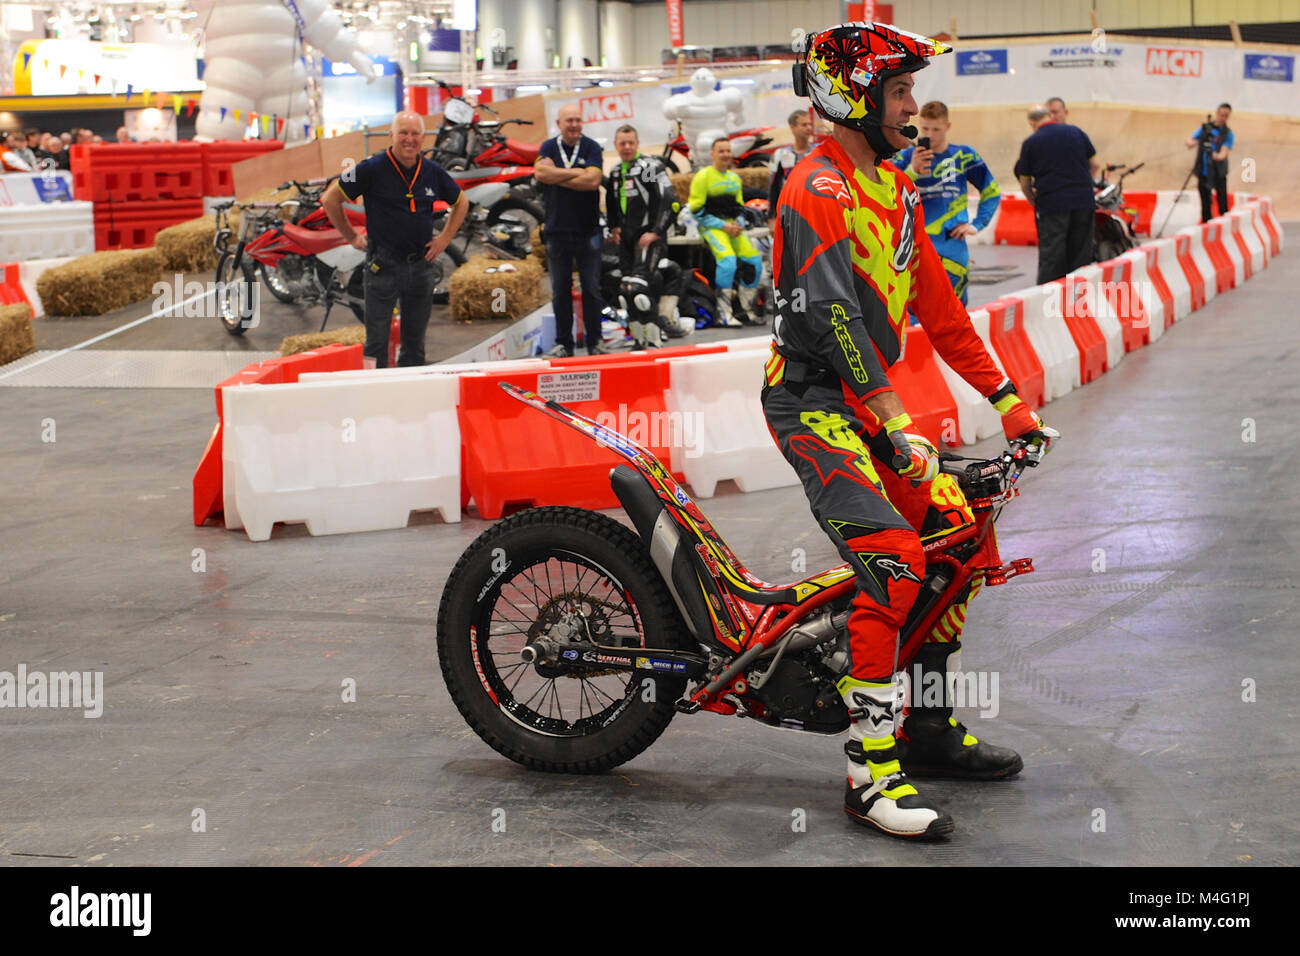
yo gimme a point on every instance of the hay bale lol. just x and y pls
(187, 246)
(348, 335)
(751, 177)
(474, 293)
(100, 282)
(16, 336)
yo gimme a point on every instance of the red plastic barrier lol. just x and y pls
(1076, 309)
(207, 483)
(923, 391)
(1016, 225)
(514, 456)
(133, 225)
(1144, 205)
(1233, 225)
(1117, 284)
(11, 288)
(1271, 224)
(1156, 275)
(1212, 238)
(644, 355)
(119, 172)
(1009, 339)
(1183, 249)
(218, 157)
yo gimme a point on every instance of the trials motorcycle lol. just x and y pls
(568, 642)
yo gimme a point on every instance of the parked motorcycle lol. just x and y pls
(1114, 224)
(464, 140)
(496, 217)
(749, 147)
(568, 642)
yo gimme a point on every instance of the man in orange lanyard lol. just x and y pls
(400, 187)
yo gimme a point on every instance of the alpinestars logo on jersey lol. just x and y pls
(906, 237)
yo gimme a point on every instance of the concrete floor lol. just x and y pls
(1122, 689)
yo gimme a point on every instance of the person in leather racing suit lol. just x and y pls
(851, 257)
(640, 205)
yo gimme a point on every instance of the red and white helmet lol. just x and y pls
(843, 71)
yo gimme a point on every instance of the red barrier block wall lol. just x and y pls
(1212, 238)
(923, 391)
(1117, 283)
(512, 455)
(1016, 225)
(1075, 308)
(207, 483)
(133, 225)
(1144, 205)
(1156, 275)
(1183, 249)
(119, 172)
(1010, 340)
(219, 156)
(11, 288)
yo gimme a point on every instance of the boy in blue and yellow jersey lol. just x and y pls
(717, 202)
(942, 174)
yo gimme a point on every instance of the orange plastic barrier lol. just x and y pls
(1076, 308)
(1010, 340)
(1269, 218)
(645, 355)
(1117, 284)
(11, 288)
(1144, 205)
(1016, 225)
(207, 483)
(117, 172)
(923, 391)
(1183, 249)
(133, 225)
(1156, 275)
(1212, 238)
(1233, 226)
(219, 156)
(514, 456)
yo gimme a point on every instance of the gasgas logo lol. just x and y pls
(602, 109)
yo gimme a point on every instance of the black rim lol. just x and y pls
(565, 597)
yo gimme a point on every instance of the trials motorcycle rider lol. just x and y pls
(851, 256)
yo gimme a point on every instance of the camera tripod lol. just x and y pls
(1204, 145)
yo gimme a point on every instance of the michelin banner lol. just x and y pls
(1102, 69)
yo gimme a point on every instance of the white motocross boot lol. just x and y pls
(878, 793)
(724, 318)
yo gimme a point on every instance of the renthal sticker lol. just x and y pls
(706, 555)
(478, 667)
(840, 322)
(595, 657)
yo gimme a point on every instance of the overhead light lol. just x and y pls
(604, 82)
(532, 88)
(649, 79)
(474, 91)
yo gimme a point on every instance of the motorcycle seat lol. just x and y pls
(313, 241)
(527, 151)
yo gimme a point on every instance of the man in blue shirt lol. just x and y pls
(1056, 168)
(400, 187)
(570, 168)
(942, 174)
(1215, 139)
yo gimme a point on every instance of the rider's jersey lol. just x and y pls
(850, 257)
(943, 192)
(639, 197)
(716, 198)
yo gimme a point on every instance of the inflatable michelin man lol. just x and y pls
(253, 62)
(704, 112)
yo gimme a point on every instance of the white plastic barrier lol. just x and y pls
(1186, 213)
(342, 456)
(35, 189)
(1051, 339)
(717, 396)
(985, 236)
(1103, 313)
(750, 342)
(976, 418)
(46, 232)
(1162, 256)
(1201, 258)
(1145, 292)
(1241, 222)
(1255, 210)
(1219, 232)
(1269, 214)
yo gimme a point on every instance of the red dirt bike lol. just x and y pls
(1114, 224)
(749, 147)
(568, 642)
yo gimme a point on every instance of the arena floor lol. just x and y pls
(1123, 689)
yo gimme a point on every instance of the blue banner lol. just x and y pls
(974, 62)
(1270, 66)
(53, 189)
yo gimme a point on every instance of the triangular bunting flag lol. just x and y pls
(47, 65)
(306, 130)
(266, 123)
(223, 115)
(27, 59)
(192, 102)
(63, 68)
(279, 126)
(81, 74)
(128, 90)
(176, 104)
(320, 132)
(96, 76)
(236, 114)
(146, 94)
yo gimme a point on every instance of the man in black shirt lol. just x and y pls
(400, 187)
(1056, 169)
(570, 168)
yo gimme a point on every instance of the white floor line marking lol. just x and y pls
(105, 335)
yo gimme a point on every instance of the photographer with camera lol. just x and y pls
(1213, 140)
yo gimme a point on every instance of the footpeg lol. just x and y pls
(685, 706)
(995, 576)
